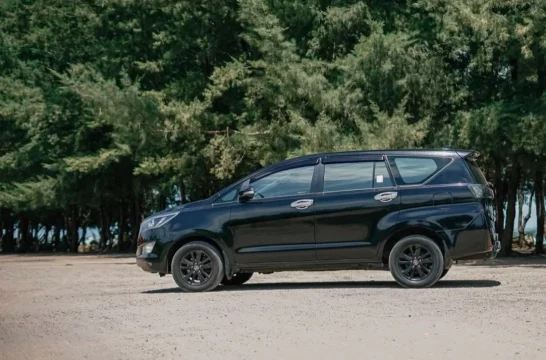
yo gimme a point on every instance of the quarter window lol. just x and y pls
(355, 176)
(454, 173)
(284, 183)
(416, 170)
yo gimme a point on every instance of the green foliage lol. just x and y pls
(116, 108)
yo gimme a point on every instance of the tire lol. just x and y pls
(203, 257)
(416, 262)
(237, 279)
(444, 273)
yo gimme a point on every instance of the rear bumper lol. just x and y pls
(490, 254)
(477, 241)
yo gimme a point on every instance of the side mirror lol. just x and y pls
(246, 194)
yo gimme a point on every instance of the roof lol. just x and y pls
(389, 152)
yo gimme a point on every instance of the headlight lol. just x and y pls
(157, 221)
(148, 247)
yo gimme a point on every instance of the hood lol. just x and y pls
(182, 207)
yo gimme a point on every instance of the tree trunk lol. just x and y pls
(521, 230)
(66, 231)
(499, 198)
(7, 239)
(103, 227)
(511, 208)
(162, 202)
(182, 192)
(539, 189)
(121, 227)
(8, 243)
(24, 233)
(2, 237)
(73, 229)
(57, 233)
(135, 221)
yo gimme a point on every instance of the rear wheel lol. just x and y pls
(237, 279)
(416, 262)
(197, 266)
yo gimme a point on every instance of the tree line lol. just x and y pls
(113, 109)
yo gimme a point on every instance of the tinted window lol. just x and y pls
(478, 175)
(382, 177)
(454, 173)
(284, 183)
(416, 170)
(355, 176)
(348, 176)
(229, 196)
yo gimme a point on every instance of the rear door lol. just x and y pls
(356, 202)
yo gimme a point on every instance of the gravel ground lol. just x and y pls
(91, 307)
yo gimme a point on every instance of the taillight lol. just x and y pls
(481, 191)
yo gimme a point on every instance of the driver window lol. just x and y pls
(284, 183)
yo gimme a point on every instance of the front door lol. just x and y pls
(277, 225)
(358, 201)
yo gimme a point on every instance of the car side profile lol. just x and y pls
(412, 212)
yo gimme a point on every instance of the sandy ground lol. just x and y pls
(88, 307)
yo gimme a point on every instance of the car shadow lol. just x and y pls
(338, 285)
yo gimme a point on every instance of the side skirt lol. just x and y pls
(312, 266)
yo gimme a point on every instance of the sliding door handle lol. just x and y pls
(386, 196)
(302, 204)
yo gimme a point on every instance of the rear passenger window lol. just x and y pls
(416, 170)
(355, 176)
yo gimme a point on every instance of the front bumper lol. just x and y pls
(151, 262)
(155, 261)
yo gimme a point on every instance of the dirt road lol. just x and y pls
(106, 308)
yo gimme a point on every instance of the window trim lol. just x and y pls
(361, 160)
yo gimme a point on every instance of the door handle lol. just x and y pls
(386, 196)
(302, 204)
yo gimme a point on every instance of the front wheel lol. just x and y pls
(197, 266)
(237, 279)
(416, 262)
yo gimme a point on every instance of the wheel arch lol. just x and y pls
(209, 240)
(398, 235)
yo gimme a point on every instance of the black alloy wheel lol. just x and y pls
(197, 266)
(416, 261)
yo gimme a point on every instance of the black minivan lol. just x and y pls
(410, 211)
